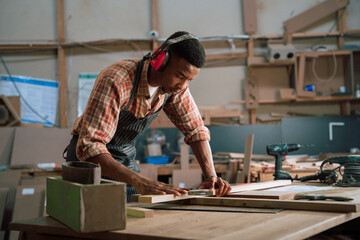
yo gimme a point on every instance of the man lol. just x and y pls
(126, 97)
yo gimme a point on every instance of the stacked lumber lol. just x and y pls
(219, 115)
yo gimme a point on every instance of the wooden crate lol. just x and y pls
(87, 207)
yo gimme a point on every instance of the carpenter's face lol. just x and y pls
(176, 75)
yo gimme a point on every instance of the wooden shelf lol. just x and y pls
(304, 100)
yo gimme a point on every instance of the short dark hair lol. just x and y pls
(190, 49)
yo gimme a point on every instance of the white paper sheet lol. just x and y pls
(41, 94)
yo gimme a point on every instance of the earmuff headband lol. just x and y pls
(172, 41)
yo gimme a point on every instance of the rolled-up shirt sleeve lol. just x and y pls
(181, 109)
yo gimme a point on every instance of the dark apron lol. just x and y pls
(121, 146)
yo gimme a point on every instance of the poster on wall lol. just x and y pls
(86, 83)
(39, 97)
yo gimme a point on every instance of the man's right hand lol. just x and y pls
(147, 186)
(143, 185)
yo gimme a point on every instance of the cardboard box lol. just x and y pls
(87, 207)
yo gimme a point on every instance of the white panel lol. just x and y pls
(201, 17)
(93, 19)
(27, 20)
(215, 86)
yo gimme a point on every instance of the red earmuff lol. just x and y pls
(159, 62)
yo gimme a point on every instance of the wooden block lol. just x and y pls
(251, 93)
(287, 94)
(263, 194)
(249, 13)
(259, 185)
(87, 207)
(16, 103)
(135, 197)
(8, 113)
(138, 212)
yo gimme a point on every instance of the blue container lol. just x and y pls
(157, 159)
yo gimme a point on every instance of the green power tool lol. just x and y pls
(279, 151)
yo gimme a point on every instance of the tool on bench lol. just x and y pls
(325, 176)
(300, 196)
(279, 151)
(351, 165)
(350, 177)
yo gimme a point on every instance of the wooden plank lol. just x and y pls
(313, 15)
(161, 198)
(244, 176)
(250, 17)
(242, 155)
(259, 185)
(326, 206)
(280, 195)
(138, 212)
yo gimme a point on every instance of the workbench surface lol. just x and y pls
(176, 224)
(169, 224)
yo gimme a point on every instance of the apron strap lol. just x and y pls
(138, 72)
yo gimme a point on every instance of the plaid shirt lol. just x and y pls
(111, 93)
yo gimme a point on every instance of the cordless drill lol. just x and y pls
(279, 151)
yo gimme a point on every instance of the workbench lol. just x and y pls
(176, 224)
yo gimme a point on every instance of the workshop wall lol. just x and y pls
(302, 130)
(35, 21)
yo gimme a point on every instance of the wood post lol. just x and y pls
(62, 73)
(341, 26)
(154, 20)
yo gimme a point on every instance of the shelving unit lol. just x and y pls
(263, 91)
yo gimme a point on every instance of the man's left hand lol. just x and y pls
(221, 186)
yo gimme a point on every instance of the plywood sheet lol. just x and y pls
(6, 144)
(39, 145)
(263, 194)
(259, 185)
(9, 179)
(29, 203)
(3, 196)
